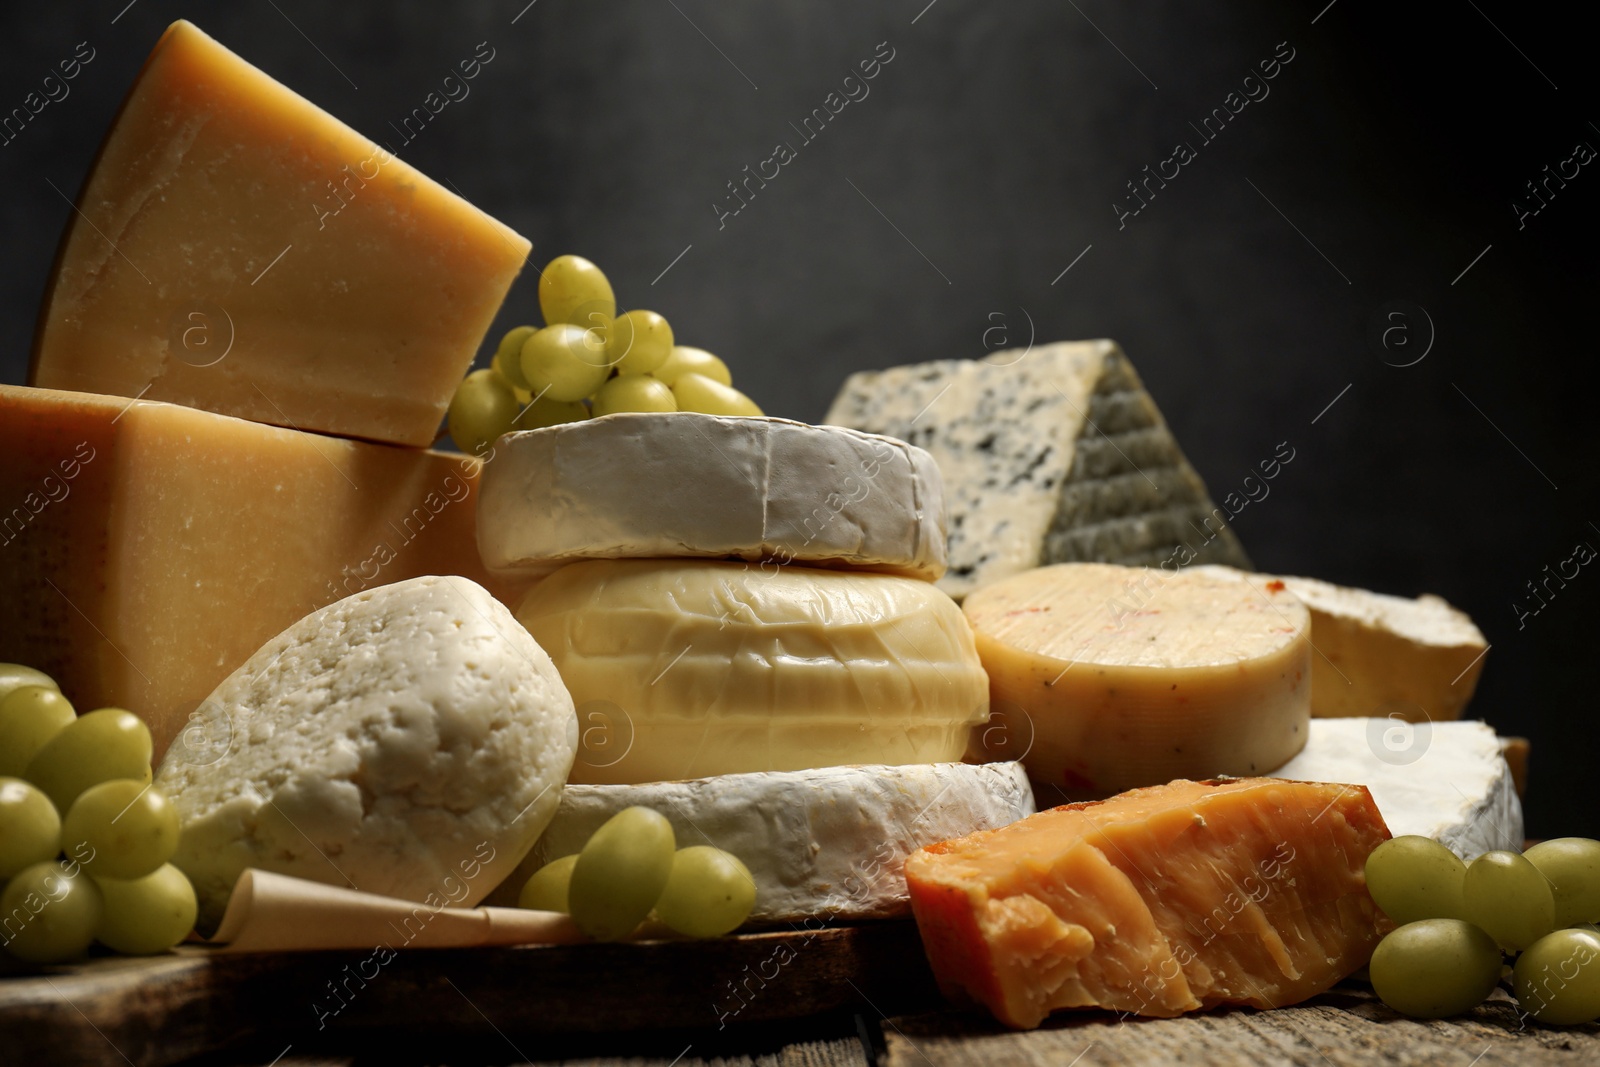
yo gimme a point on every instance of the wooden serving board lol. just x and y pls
(153, 1012)
(784, 998)
(1345, 1027)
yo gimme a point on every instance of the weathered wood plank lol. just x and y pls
(161, 1011)
(1347, 1027)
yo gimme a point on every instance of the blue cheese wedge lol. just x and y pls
(1444, 780)
(820, 844)
(410, 741)
(1053, 455)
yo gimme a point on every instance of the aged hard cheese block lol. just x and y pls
(688, 668)
(1049, 455)
(148, 549)
(1444, 780)
(1156, 902)
(1113, 677)
(410, 741)
(238, 249)
(1383, 655)
(821, 844)
(685, 484)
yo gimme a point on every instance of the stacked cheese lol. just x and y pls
(749, 602)
(240, 253)
(735, 594)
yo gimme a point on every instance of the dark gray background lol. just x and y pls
(985, 160)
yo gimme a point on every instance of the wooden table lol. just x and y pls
(852, 995)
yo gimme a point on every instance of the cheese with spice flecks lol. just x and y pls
(1049, 455)
(1384, 655)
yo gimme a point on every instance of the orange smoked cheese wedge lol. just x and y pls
(1104, 678)
(1156, 902)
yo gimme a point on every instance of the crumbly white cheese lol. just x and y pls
(1444, 780)
(820, 844)
(411, 740)
(689, 668)
(1050, 455)
(640, 485)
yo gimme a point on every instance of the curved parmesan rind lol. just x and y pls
(1109, 678)
(410, 741)
(690, 668)
(820, 844)
(1156, 902)
(683, 484)
(1444, 780)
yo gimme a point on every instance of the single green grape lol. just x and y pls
(30, 715)
(696, 392)
(537, 414)
(1557, 978)
(1572, 866)
(15, 675)
(1413, 878)
(709, 892)
(1508, 897)
(686, 360)
(565, 362)
(30, 829)
(145, 915)
(130, 829)
(619, 875)
(573, 290)
(547, 889)
(634, 392)
(508, 357)
(48, 915)
(93, 748)
(638, 342)
(1435, 968)
(482, 409)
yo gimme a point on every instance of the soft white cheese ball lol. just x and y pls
(411, 740)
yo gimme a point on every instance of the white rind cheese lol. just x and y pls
(820, 844)
(1444, 780)
(1380, 655)
(410, 741)
(708, 486)
(688, 668)
(1051, 455)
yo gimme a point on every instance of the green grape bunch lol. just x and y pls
(587, 361)
(1458, 923)
(630, 869)
(85, 839)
